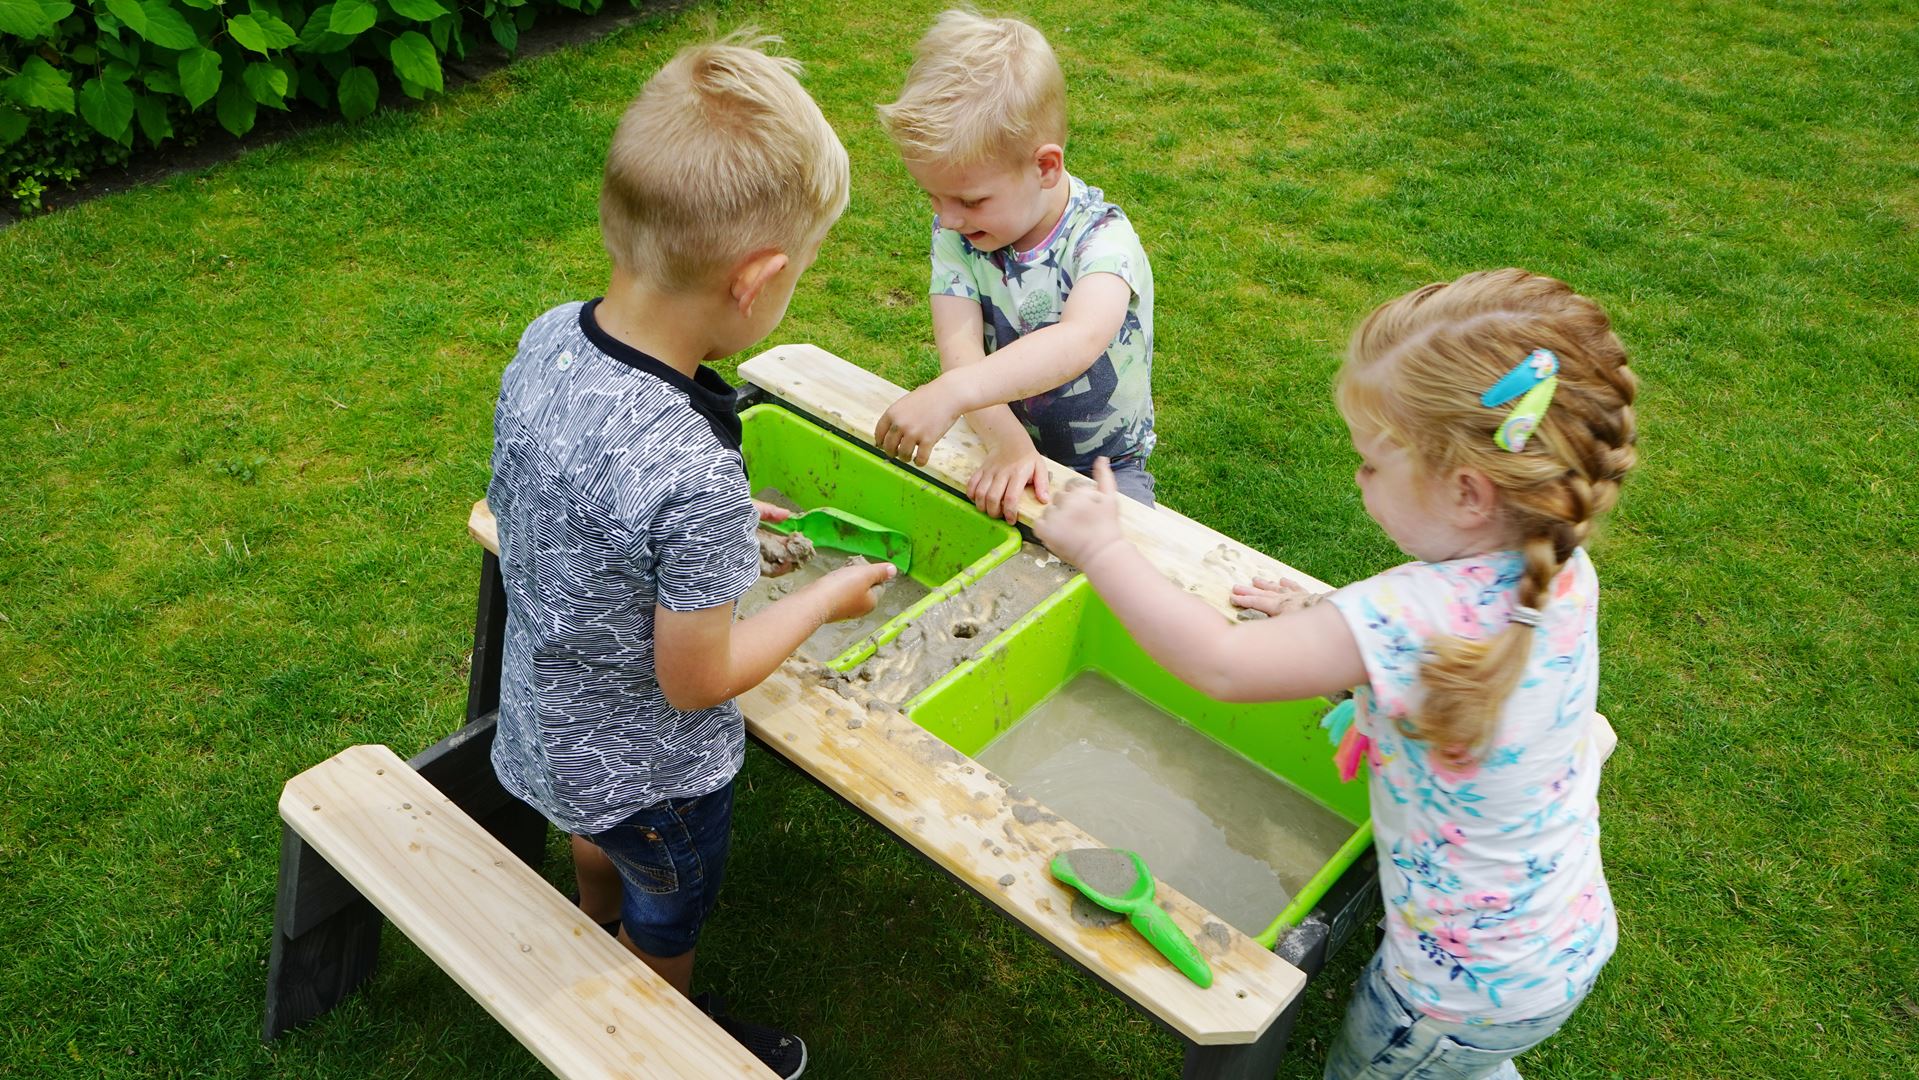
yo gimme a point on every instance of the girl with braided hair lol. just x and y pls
(1493, 417)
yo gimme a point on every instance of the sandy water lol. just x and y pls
(832, 639)
(1232, 836)
(956, 629)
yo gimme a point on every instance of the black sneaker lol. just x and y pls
(784, 1054)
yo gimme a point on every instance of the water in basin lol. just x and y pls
(1229, 834)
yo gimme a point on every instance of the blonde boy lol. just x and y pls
(626, 523)
(1030, 267)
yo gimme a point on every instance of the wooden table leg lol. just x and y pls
(489, 639)
(326, 936)
(1242, 1061)
(1304, 947)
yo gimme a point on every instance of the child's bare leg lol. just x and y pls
(598, 881)
(677, 970)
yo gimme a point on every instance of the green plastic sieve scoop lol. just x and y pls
(1117, 880)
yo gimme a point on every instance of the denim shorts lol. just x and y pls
(671, 857)
(1384, 1038)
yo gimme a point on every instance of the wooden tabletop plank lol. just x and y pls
(1001, 843)
(1207, 562)
(578, 1000)
(483, 527)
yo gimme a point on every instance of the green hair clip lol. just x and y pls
(1532, 381)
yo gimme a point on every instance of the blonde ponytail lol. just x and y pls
(1415, 372)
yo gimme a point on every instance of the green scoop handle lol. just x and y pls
(1159, 929)
(1136, 902)
(831, 527)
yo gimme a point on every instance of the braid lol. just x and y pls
(1416, 369)
(1467, 682)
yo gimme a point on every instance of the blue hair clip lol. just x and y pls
(1538, 366)
(1532, 381)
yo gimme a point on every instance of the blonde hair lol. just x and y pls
(1415, 371)
(722, 154)
(979, 90)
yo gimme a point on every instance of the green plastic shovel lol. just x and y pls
(1117, 880)
(831, 527)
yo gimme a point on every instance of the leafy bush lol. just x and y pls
(77, 82)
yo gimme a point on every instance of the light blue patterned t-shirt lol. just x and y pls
(1496, 900)
(1108, 411)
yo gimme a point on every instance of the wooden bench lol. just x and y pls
(579, 1001)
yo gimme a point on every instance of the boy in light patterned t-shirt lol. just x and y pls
(1030, 267)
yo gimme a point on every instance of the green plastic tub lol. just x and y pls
(953, 543)
(1072, 632)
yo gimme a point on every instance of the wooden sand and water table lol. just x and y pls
(996, 652)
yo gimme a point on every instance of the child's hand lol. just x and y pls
(853, 590)
(1274, 597)
(782, 553)
(769, 512)
(916, 423)
(1085, 520)
(1004, 476)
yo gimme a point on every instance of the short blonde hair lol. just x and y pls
(979, 90)
(721, 155)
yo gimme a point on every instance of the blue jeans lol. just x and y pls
(1384, 1038)
(671, 857)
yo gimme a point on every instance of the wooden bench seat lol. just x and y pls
(579, 1001)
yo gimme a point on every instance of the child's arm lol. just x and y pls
(1011, 462)
(1296, 655)
(702, 658)
(1043, 360)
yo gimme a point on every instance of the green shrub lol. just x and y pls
(79, 82)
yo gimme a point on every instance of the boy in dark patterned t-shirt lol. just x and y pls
(626, 524)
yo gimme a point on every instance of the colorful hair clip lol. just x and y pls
(1532, 381)
(1538, 366)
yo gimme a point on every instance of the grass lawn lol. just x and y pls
(246, 410)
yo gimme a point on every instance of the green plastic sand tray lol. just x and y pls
(953, 543)
(1074, 632)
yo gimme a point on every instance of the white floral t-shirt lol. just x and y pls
(1496, 903)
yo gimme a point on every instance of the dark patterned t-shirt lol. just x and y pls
(612, 494)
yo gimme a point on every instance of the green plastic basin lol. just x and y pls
(1072, 632)
(953, 543)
